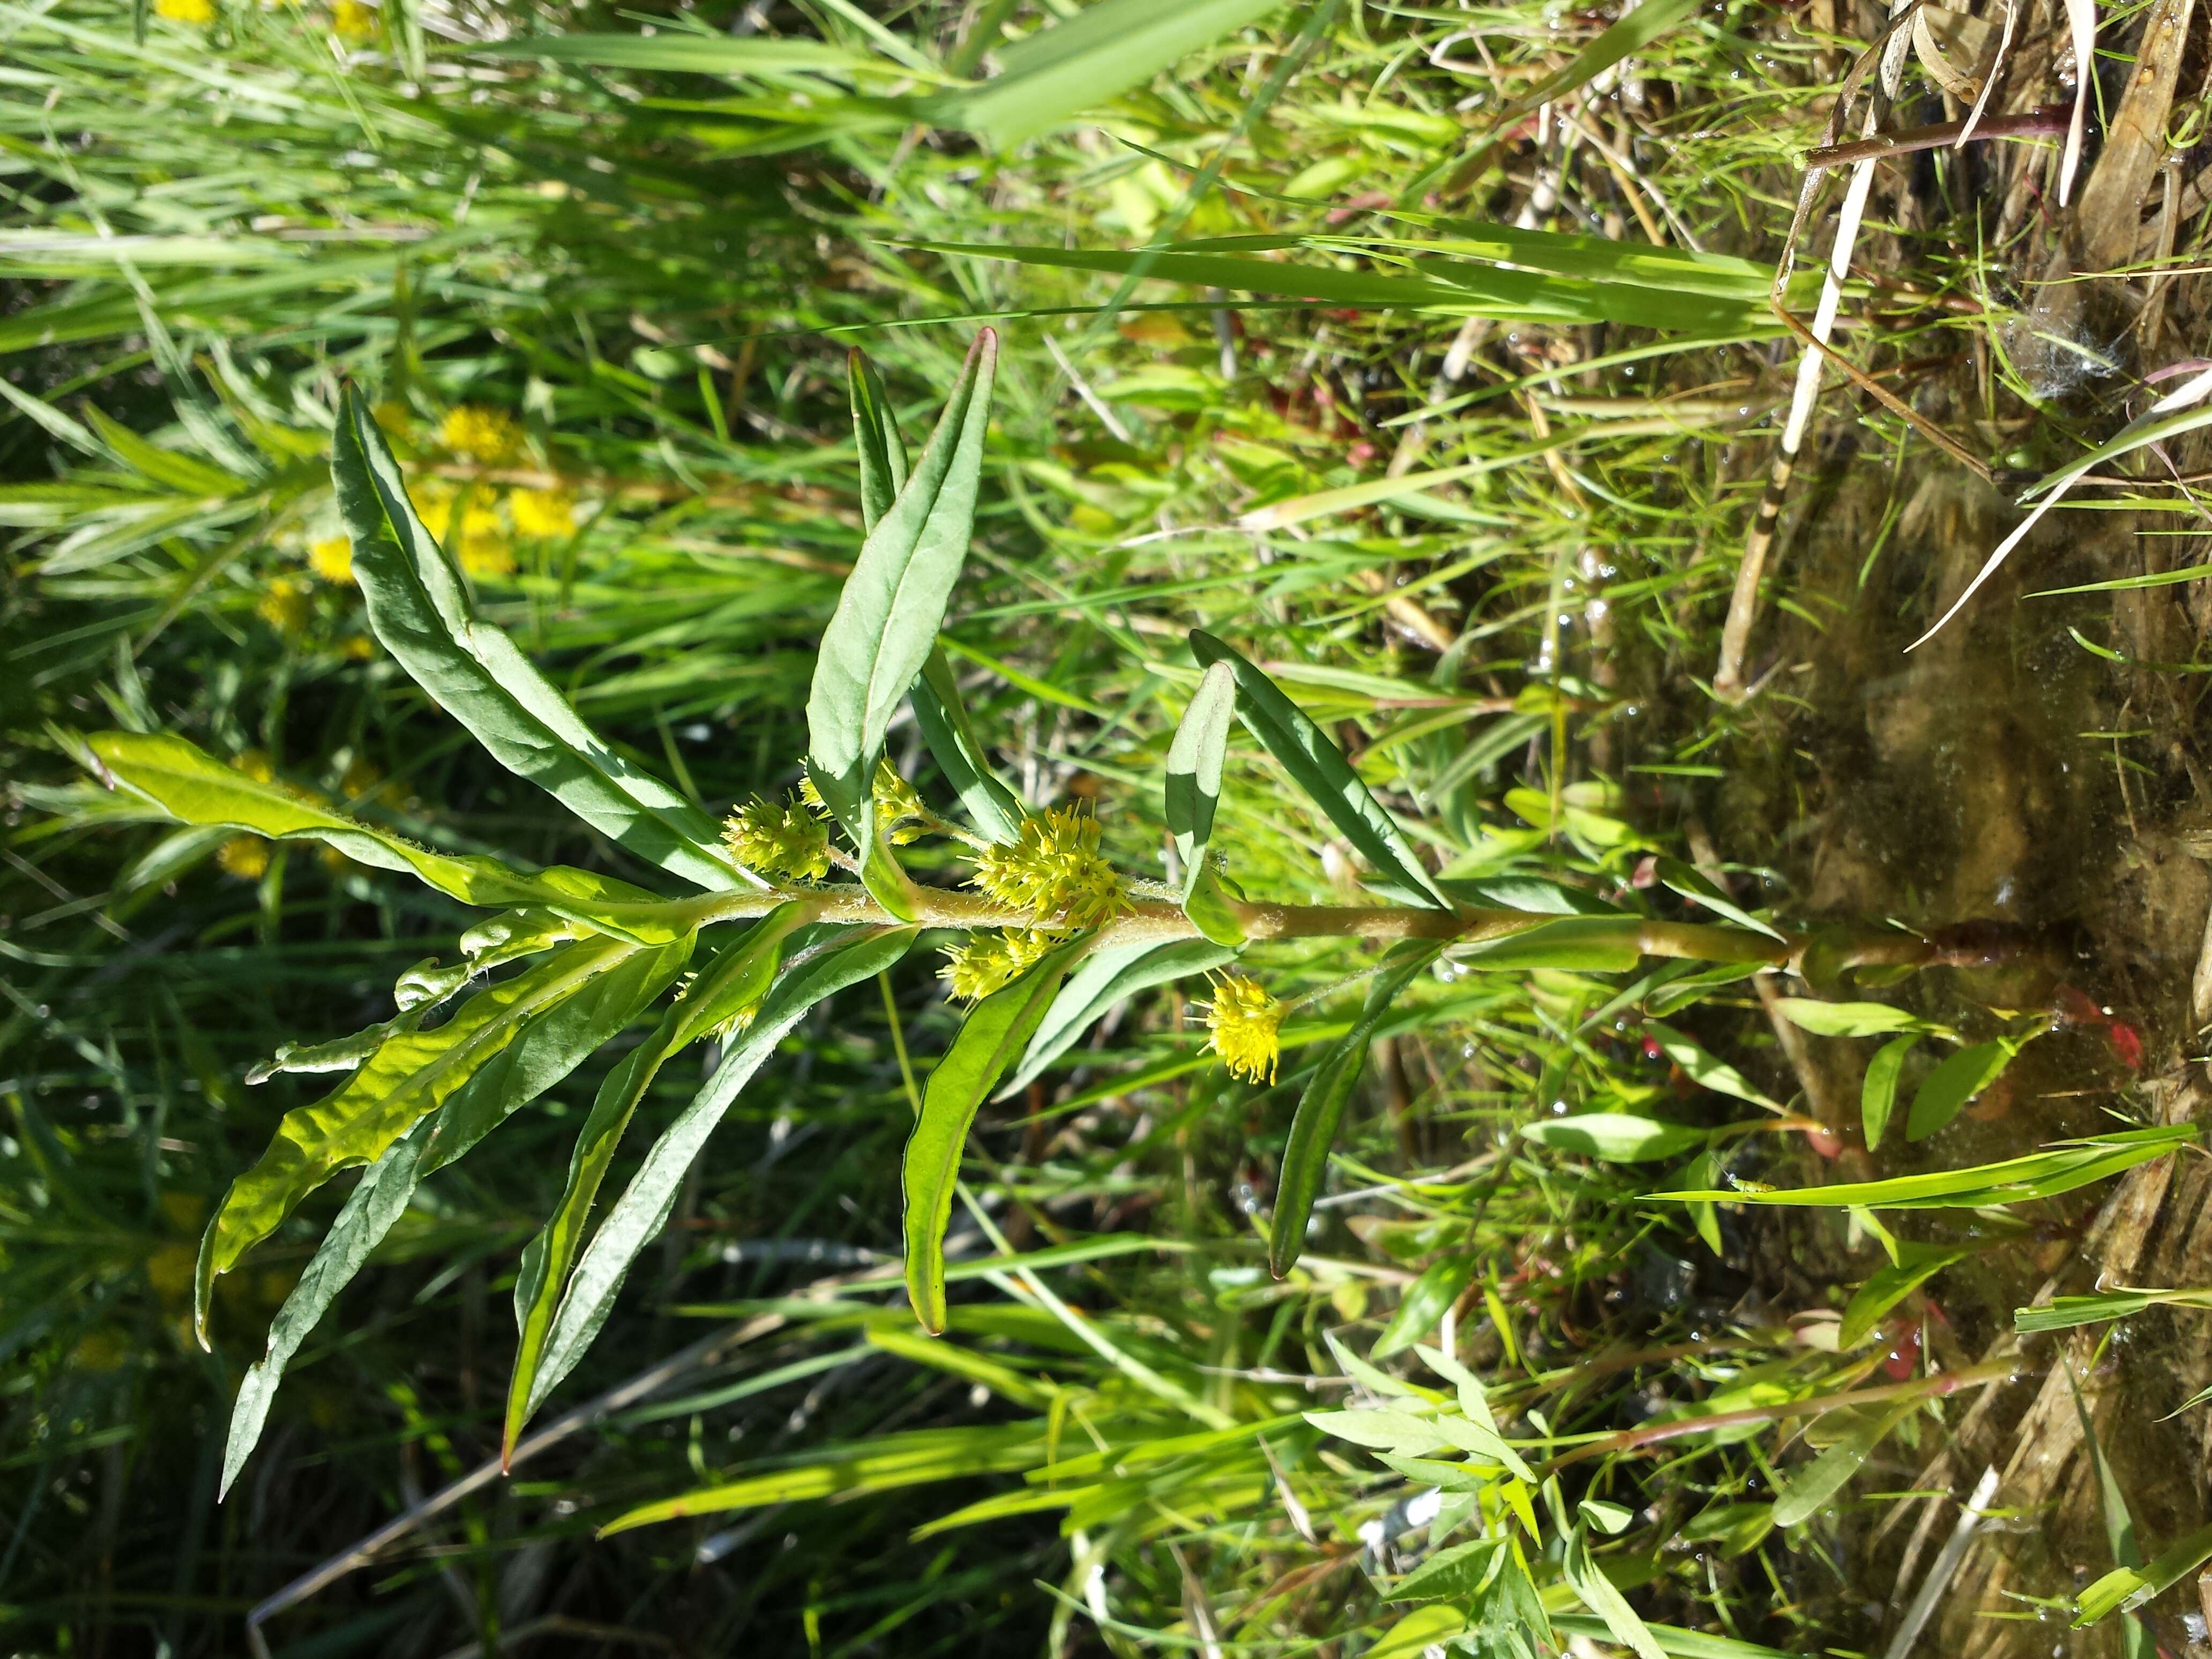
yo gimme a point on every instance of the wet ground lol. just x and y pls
(2003, 773)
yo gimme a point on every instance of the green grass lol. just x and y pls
(657, 271)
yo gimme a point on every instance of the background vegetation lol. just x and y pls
(1477, 495)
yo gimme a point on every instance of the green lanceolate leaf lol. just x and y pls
(1846, 1019)
(1614, 1137)
(1318, 767)
(876, 436)
(1596, 1592)
(989, 1039)
(1693, 884)
(1462, 1570)
(893, 604)
(1890, 1286)
(192, 786)
(419, 607)
(1953, 1083)
(1702, 1069)
(552, 1045)
(1878, 1094)
(1107, 976)
(1575, 945)
(409, 1077)
(1806, 1492)
(737, 978)
(1320, 1109)
(1081, 61)
(2055, 1169)
(992, 807)
(2126, 1588)
(546, 1050)
(370, 1210)
(824, 966)
(1427, 1299)
(1195, 758)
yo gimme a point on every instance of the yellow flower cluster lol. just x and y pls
(351, 20)
(778, 839)
(469, 525)
(332, 558)
(901, 818)
(286, 606)
(988, 962)
(1245, 1028)
(1055, 871)
(487, 436)
(197, 13)
(543, 513)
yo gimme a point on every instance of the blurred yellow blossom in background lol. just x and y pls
(543, 512)
(489, 435)
(331, 559)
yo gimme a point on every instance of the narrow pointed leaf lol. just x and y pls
(193, 787)
(844, 956)
(1597, 1593)
(876, 436)
(735, 981)
(992, 807)
(1807, 1490)
(1321, 1109)
(1878, 1093)
(1426, 1300)
(989, 1039)
(894, 602)
(1318, 767)
(1194, 777)
(419, 607)
(409, 1077)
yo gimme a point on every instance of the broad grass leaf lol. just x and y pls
(194, 788)
(683, 54)
(1597, 1591)
(991, 807)
(1417, 1632)
(1847, 1018)
(1702, 1069)
(737, 978)
(994, 1032)
(843, 956)
(887, 618)
(1886, 1288)
(2059, 1169)
(1079, 62)
(419, 607)
(1193, 774)
(1426, 1301)
(1319, 768)
(1614, 1137)
(1953, 1083)
(918, 1457)
(411, 1075)
(376, 1202)
(1320, 1109)
(1878, 1093)
(1110, 975)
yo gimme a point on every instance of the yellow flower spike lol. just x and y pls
(1245, 1027)
(778, 839)
(543, 513)
(487, 436)
(989, 961)
(331, 559)
(1055, 867)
